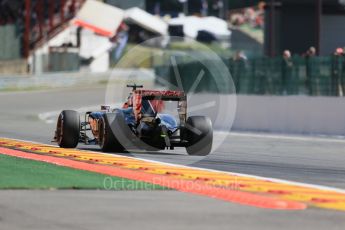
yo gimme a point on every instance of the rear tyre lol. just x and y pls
(199, 134)
(68, 129)
(107, 140)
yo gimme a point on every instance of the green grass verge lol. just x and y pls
(18, 173)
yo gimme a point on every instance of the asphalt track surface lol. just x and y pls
(319, 161)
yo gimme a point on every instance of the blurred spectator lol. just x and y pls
(237, 19)
(286, 54)
(204, 8)
(121, 39)
(311, 52)
(251, 16)
(157, 8)
(259, 21)
(311, 70)
(336, 71)
(287, 67)
(238, 68)
(260, 15)
(342, 75)
(71, 10)
(240, 55)
(217, 6)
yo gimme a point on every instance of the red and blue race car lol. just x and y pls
(139, 124)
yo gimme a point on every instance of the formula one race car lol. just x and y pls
(140, 123)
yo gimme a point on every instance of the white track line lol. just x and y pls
(322, 138)
(320, 187)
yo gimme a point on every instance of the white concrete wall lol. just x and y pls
(273, 114)
(291, 114)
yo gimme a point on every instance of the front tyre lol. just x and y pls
(68, 129)
(199, 134)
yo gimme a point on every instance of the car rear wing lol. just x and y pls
(168, 95)
(155, 95)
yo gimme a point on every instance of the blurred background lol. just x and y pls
(272, 47)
